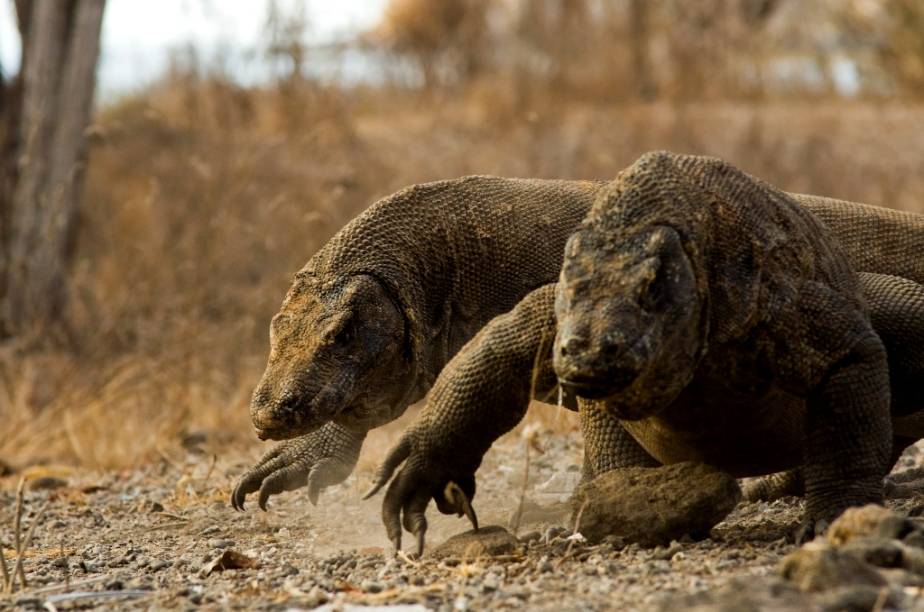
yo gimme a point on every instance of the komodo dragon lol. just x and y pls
(698, 288)
(373, 317)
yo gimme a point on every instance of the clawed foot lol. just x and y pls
(317, 460)
(420, 480)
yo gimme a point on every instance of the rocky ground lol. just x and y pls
(165, 536)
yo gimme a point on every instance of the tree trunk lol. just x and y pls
(60, 50)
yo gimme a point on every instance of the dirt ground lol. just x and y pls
(153, 537)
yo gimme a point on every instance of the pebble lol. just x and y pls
(371, 586)
(487, 541)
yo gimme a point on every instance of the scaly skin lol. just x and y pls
(373, 317)
(389, 269)
(897, 314)
(463, 408)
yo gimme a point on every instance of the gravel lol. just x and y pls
(103, 543)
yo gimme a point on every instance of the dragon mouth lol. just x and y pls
(586, 389)
(285, 432)
(307, 413)
(598, 387)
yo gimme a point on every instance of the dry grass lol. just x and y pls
(203, 199)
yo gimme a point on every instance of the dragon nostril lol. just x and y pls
(612, 349)
(288, 401)
(571, 346)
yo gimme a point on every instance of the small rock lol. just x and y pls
(315, 597)
(859, 597)
(193, 441)
(532, 536)
(370, 586)
(155, 507)
(818, 567)
(289, 570)
(221, 543)
(553, 532)
(915, 539)
(902, 578)
(210, 530)
(739, 594)
(876, 551)
(663, 553)
(653, 506)
(229, 560)
(489, 541)
(858, 522)
(47, 483)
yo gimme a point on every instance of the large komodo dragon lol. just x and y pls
(375, 315)
(716, 320)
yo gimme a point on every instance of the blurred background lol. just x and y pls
(152, 216)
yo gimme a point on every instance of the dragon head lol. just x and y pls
(628, 311)
(336, 352)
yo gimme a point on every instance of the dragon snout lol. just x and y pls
(274, 415)
(594, 369)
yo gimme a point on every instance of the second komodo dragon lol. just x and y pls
(722, 322)
(375, 315)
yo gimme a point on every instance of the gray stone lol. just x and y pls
(818, 567)
(653, 506)
(489, 541)
(765, 594)
(858, 522)
(877, 551)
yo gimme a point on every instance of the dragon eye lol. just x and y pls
(655, 293)
(346, 333)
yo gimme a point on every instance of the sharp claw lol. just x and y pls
(470, 513)
(314, 486)
(375, 487)
(457, 497)
(239, 496)
(395, 457)
(420, 542)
